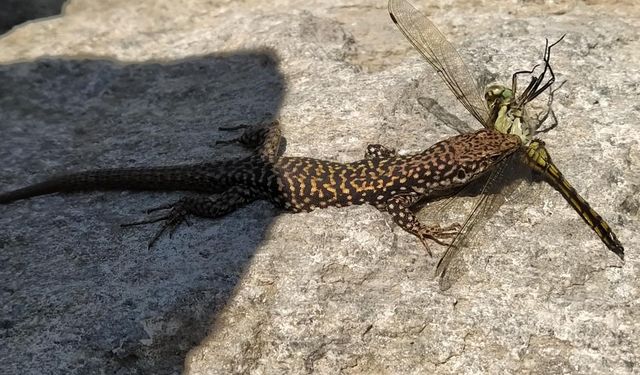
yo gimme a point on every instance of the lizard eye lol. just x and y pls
(461, 174)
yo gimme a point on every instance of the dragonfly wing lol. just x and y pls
(445, 116)
(500, 184)
(444, 58)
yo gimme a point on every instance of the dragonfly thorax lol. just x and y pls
(506, 114)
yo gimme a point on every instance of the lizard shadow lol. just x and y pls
(80, 292)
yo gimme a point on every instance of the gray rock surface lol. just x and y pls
(333, 291)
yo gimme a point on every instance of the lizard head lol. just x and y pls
(468, 156)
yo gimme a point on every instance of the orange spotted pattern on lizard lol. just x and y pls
(390, 182)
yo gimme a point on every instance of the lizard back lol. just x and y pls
(305, 183)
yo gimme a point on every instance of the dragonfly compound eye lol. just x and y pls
(493, 92)
(497, 92)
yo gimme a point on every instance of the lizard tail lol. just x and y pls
(188, 178)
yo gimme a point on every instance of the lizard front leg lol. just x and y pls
(378, 151)
(212, 207)
(399, 208)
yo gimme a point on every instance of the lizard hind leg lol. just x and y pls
(251, 137)
(265, 138)
(399, 208)
(212, 207)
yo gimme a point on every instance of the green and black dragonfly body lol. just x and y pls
(502, 109)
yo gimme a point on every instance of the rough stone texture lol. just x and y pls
(333, 291)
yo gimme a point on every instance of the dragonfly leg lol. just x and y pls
(514, 77)
(377, 151)
(541, 118)
(399, 208)
(202, 206)
(533, 90)
(265, 138)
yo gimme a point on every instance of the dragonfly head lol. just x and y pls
(497, 95)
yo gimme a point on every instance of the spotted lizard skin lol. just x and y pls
(389, 182)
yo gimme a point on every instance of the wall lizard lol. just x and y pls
(384, 179)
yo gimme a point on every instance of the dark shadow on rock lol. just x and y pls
(15, 12)
(79, 294)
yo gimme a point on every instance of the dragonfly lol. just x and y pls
(503, 109)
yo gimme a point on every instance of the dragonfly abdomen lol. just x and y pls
(539, 159)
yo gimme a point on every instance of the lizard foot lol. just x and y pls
(172, 219)
(252, 136)
(436, 233)
(230, 129)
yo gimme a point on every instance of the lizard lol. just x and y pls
(384, 179)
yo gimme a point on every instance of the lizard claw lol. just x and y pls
(230, 129)
(426, 246)
(436, 234)
(172, 220)
(448, 231)
(159, 208)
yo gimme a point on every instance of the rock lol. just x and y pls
(331, 291)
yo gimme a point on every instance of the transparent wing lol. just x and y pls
(427, 39)
(490, 196)
(445, 116)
